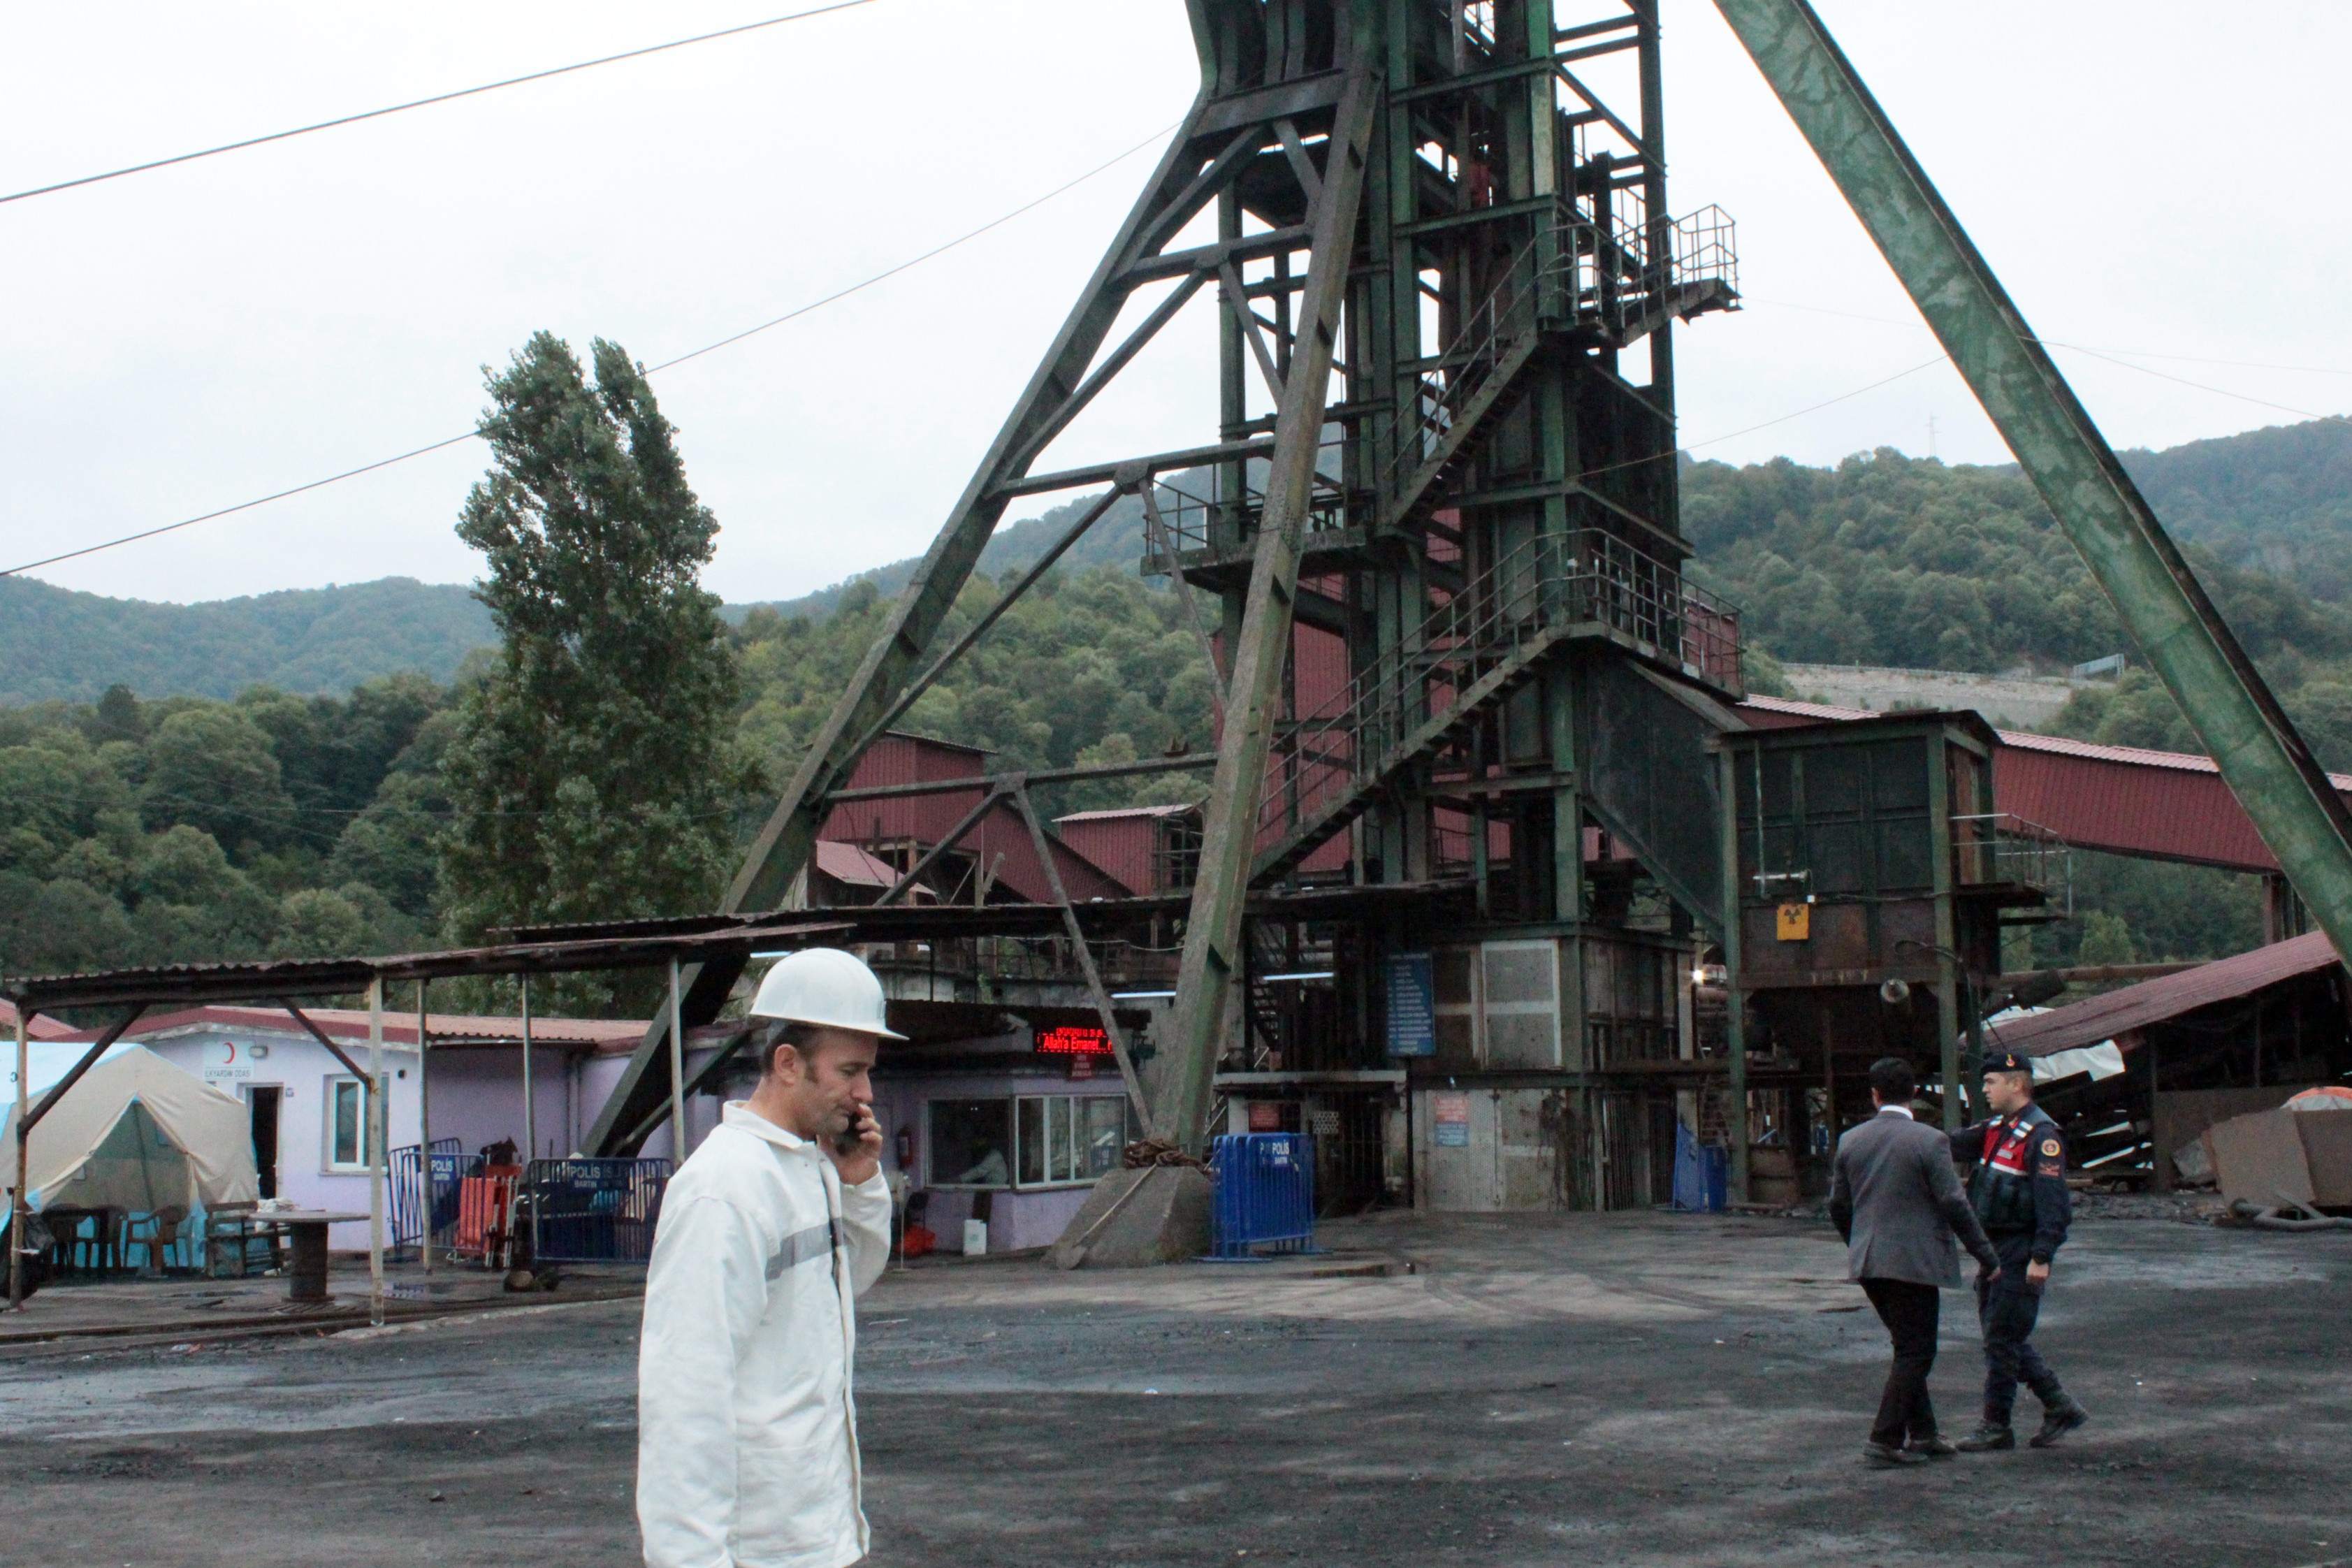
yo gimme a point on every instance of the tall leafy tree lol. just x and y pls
(593, 773)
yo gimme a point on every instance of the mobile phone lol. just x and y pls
(848, 1140)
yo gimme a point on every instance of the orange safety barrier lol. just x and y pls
(486, 1213)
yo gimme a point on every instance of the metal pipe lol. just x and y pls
(378, 1125)
(677, 1070)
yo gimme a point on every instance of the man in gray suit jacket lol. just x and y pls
(1897, 1199)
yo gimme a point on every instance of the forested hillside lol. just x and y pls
(1115, 541)
(2279, 499)
(189, 829)
(58, 645)
(1090, 667)
(1891, 560)
(171, 825)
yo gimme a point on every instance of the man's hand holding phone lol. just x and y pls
(857, 1148)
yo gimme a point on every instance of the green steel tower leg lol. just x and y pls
(2263, 760)
(1213, 931)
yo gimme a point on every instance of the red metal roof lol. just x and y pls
(1780, 713)
(2118, 1013)
(42, 1027)
(900, 758)
(1124, 842)
(1124, 811)
(849, 863)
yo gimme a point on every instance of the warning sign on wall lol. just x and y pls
(1794, 922)
(1450, 1118)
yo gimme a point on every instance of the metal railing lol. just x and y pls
(1191, 517)
(449, 1162)
(1545, 585)
(1572, 270)
(1575, 269)
(2001, 848)
(595, 1211)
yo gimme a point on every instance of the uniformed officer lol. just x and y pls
(2019, 1192)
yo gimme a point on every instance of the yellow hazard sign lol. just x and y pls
(1794, 922)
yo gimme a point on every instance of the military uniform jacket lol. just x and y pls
(2018, 1186)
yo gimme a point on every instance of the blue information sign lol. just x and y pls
(1413, 1005)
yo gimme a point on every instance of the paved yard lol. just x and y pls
(1619, 1389)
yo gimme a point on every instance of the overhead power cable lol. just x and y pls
(1917, 325)
(838, 295)
(2183, 381)
(436, 98)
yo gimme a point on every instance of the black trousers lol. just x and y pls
(1910, 1313)
(2007, 1309)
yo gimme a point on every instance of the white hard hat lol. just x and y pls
(827, 986)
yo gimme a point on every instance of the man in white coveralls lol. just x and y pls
(747, 1435)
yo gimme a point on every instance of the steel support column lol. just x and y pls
(2156, 597)
(1212, 932)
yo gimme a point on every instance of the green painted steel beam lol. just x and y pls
(2158, 599)
(1213, 956)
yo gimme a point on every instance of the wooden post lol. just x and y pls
(677, 1070)
(377, 1128)
(423, 1131)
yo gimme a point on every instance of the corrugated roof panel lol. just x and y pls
(2098, 1019)
(2154, 810)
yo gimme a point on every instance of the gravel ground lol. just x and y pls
(1619, 1389)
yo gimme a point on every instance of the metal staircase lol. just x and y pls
(1575, 282)
(1487, 639)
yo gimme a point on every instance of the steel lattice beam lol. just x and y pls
(1212, 932)
(2158, 599)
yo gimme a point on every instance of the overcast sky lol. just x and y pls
(2150, 178)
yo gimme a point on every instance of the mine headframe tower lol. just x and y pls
(1495, 670)
(1435, 542)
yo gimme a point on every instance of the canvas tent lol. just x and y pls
(139, 1134)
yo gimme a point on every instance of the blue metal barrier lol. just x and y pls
(1702, 1174)
(596, 1211)
(449, 1162)
(1265, 1194)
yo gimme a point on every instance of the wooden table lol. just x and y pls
(306, 1232)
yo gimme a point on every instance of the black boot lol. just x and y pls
(2059, 1419)
(1989, 1437)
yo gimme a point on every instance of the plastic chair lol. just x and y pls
(160, 1235)
(65, 1236)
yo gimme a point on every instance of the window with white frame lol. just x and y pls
(1027, 1141)
(347, 1119)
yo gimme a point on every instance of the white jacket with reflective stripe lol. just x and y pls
(746, 1433)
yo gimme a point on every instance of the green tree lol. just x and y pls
(2106, 939)
(212, 769)
(60, 927)
(593, 773)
